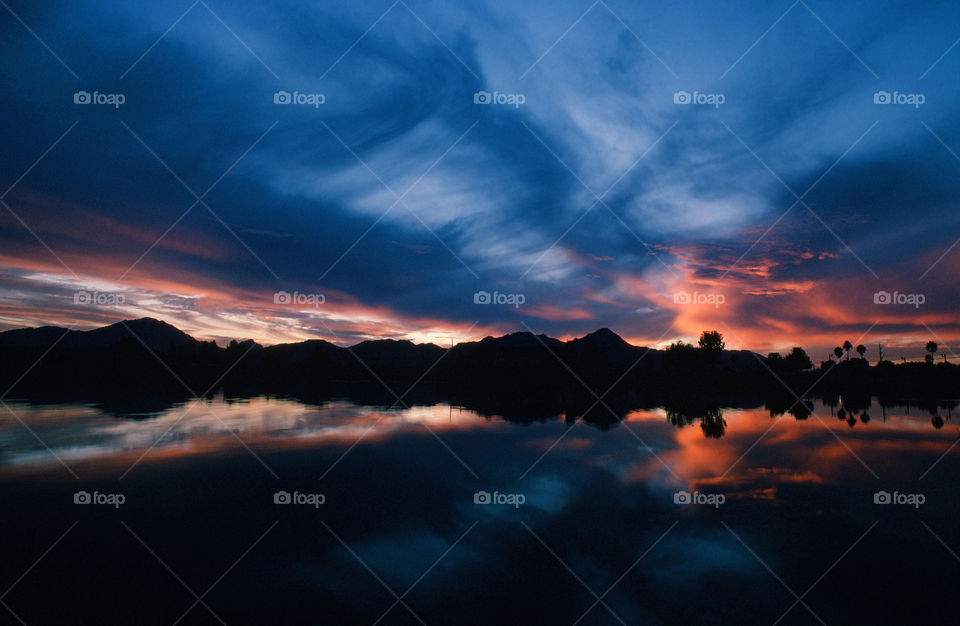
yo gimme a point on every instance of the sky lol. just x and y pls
(785, 173)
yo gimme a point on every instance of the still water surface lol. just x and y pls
(386, 501)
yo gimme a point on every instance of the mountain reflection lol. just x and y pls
(86, 434)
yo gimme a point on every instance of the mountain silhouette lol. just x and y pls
(159, 336)
(138, 365)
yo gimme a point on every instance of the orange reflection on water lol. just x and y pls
(758, 454)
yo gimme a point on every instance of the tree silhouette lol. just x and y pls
(847, 347)
(838, 351)
(932, 349)
(711, 340)
(797, 360)
(861, 350)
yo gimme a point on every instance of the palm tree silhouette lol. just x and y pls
(847, 347)
(838, 351)
(861, 350)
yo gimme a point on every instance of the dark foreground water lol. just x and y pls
(269, 511)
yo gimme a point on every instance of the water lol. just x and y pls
(384, 506)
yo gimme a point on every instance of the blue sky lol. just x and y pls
(599, 198)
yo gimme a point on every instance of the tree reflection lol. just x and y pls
(711, 418)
